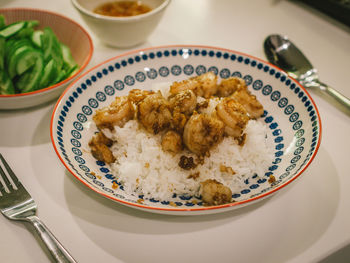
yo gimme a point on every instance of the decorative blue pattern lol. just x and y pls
(129, 80)
(152, 73)
(93, 103)
(189, 69)
(201, 70)
(109, 90)
(163, 71)
(140, 76)
(214, 70)
(248, 79)
(100, 96)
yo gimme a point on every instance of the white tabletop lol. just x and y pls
(307, 222)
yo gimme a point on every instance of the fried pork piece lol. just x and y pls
(172, 142)
(203, 85)
(118, 113)
(202, 132)
(233, 115)
(249, 102)
(215, 193)
(228, 86)
(154, 113)
(99, 148)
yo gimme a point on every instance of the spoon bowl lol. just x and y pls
(284, 54)
(281, 52)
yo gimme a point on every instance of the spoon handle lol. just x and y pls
(336, 95)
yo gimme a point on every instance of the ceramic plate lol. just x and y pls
(290, 114)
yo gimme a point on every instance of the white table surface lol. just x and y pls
(307, 222)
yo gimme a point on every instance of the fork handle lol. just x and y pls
(59, 253)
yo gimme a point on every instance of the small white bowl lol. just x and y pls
(121, 32)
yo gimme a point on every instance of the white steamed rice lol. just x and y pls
(145, 169)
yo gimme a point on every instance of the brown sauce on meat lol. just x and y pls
(122, 8)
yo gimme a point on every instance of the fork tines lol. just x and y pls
(11, 186)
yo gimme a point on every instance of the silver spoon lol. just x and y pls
(281, 52)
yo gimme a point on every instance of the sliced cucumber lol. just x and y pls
(26, 31)
(29, 81)
(26, 60)
(12, 29)
(31, 59)
(16, 56)
(61, 76)
(51, 47)
(6, 85)
(32, 23)
(2, 21)
(9, 44)
(12, 45)
(36, 38)
(49, 75)
(72, 71)
(2, 53)
(23, 33)
(68, 60)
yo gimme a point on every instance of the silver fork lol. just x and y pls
(17, 204)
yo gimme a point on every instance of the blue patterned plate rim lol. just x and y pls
(237, 204)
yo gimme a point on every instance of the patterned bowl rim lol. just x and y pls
(82, 67)
(204, 208)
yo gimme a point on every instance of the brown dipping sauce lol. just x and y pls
(122, 8)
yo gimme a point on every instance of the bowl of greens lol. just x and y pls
(41, 52)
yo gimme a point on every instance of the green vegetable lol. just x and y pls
(61, 76)
(51, 73)
(68, 60)
(2, 53)
(51, 47)
(31, 59)
(12, 29)
(36, 38)
(27, 60)
(72, 71)
(23, 33)
(26, 31)
(16, 57)
(2, 21)
(32, 23)
(29, 81)
(6, 86)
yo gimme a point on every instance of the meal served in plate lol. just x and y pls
(198, 137)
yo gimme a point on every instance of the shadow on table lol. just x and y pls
(293, 219)
(340, 256)
(103, 203)
(322, 15)
(34, 130)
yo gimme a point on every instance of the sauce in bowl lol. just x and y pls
(122, 8)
